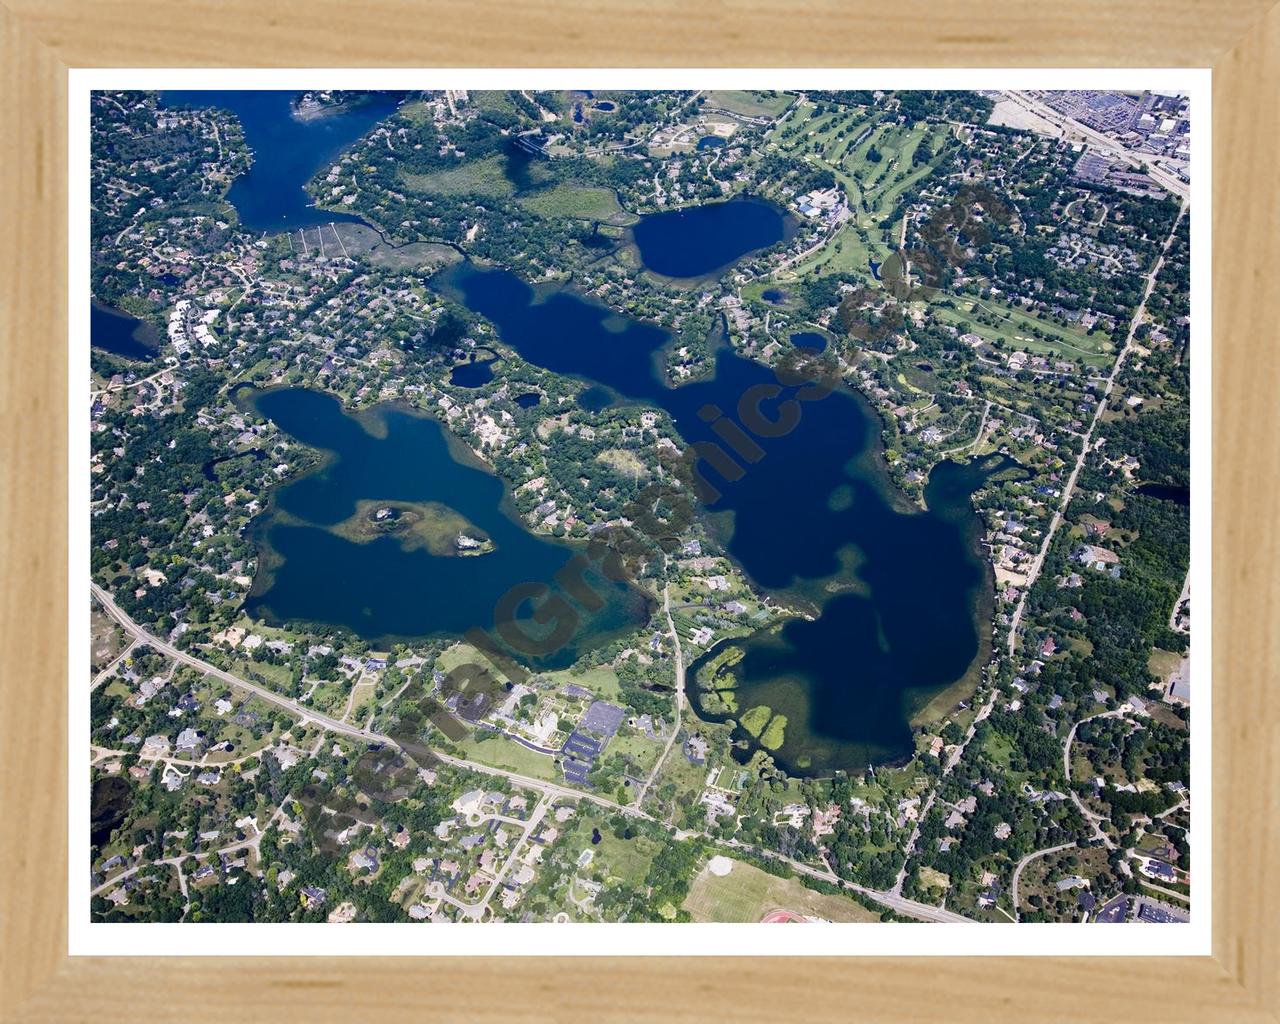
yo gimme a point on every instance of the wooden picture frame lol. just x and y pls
(42, 39)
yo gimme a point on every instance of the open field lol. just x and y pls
(1163, 663)
(1018, 330)
(414, 256)
(603, 682)
(749, 104)
(487, 177)
(106, 641)
(625, 859)
(747, 894)
(417, 111)
(499, 752)
(639, 748)
(582, 202)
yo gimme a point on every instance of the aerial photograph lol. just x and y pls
(639, 506)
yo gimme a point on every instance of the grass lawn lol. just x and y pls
(465, 654)
(749, 104)
(840, 142)
(995, 321)
(747, 893)
(487, 177)
(277, 677)
(602, 681)
(582, 202)
(415, 255)
(639, 748)
(888, 197)
(625, 859)
(754, 291)
(1163, 663)
(499, 752)
(998, 748)
(418, 112)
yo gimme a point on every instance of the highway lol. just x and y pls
(1070, 126)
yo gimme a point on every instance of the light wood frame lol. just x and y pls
(41, 39)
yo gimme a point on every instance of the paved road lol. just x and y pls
(1017, 872)
(106, 673)
(675, 729)
(271, 697)
(476, 911)
(1059, 514)
(133, 384)
(893, 900)
(328, 722)
(1092, 818)
(1134, 158)
(927, 803)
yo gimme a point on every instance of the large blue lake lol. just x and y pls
(384, 586)
(287, 151)
(701, 240)
(900, 598)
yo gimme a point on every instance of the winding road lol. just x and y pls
(893, 900)
(1017, 872)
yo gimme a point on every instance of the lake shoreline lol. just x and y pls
(379, 567)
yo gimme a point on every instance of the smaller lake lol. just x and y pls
(811, 340)
(115, 331)
(711, 142)
(108, 805)
(1167, 492)
(474, 373)
(774, 296)
(702, 240)
(528, 400)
